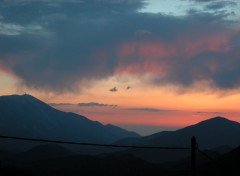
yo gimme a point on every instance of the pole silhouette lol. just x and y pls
(193, 156)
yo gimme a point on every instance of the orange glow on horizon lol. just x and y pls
(123, 116)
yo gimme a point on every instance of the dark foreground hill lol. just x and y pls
(33, 164)
(112, 165)
(227, 164)
(26, 116)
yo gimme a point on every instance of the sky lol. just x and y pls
(144, 65)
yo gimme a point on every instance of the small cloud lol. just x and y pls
(10, 29)
(212, 113)
(220, 5)
(149, 109)
(114, 89)
(128, 87)
(201, 0)
(94, 104)
(52, 1)
(61, 104)
(90, 104)
(143, 32)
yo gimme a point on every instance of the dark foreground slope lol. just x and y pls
(112, 165)
(49, 160)
(227, 164)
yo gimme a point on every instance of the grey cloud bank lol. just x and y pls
(61, 45)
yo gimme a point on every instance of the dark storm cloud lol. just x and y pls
(221, 69)
(67, 48)
(64, 45)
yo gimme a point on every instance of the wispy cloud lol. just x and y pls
(214, 113)
(220, 5)
(12, 29)
(94, 104)
(150, 110)
(88, 104)
(61, 104)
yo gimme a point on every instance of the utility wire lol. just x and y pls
(94, 144)
(209, 157)
(216, 162)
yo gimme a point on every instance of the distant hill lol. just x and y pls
(217, 132)
(211, 133)
(26, 116)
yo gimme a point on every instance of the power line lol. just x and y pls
(210, 158)
(94, 144)
(114, 146)
(215, 162)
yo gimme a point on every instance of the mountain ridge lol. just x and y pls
(212, 133)
(214, 129)
(27, 116)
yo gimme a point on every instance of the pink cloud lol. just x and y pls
(209, 42)
(146, 49)
(161, 58)
(4, 68)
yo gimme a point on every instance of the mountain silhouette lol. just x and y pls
(211, 133)
(26, 116)
(217, 132)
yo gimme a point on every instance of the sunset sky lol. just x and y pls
(144, 65)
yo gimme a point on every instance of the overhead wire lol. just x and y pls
(93, 144)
